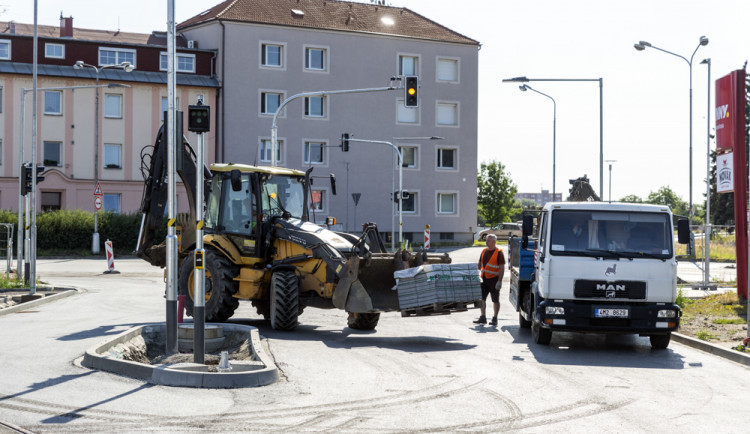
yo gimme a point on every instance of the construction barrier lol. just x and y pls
(110, 257)
(426, 237)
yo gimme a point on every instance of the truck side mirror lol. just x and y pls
(528, 225)
(683, 231)
(236, 177)
(333, 184)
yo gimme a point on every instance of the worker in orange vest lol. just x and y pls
(492, 265)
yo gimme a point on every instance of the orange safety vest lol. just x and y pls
(492, 269)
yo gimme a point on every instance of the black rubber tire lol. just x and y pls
(363, 321)
(660, 342)
(284, 300)
(220, 304)
(525, 306)
(541, 335)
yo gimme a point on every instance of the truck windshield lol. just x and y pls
(283, 193)
(622, 234)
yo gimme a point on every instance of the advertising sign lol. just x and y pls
(724, 173)
(730, 110)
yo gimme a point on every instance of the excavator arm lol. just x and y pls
(155, 193)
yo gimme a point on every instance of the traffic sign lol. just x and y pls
(98, 202)
(98, 190)
(356, 197)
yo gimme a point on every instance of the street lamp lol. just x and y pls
(702, 41)
(524, 88)
(127, 67)
(601, 116)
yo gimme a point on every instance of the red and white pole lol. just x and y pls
(426, 237)
(110, 257)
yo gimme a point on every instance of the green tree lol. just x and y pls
(520, 206)
(496, 196)
(632, 198)
(666, 196)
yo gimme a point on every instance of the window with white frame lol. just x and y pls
(317, 202)
(185, 62)
(314, 152)
(52, 154)
(111, 202)
(446, 203)
(112, 105)
(54, 51)
(112, 155)
(408, 65)
(447, 69)
(410, 203)
(406, 115)
(52, 102)
(265, 150)
(115, 56)
(315, 59)
(409, 155)
(315, 106)
(272, 55)
(447, 113)
(446, 158)
(270, 102)
(4, 49)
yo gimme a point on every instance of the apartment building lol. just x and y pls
(541, 198)
(128, 117)
(270, 51)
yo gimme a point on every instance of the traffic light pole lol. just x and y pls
(400, 188)
(274, 126)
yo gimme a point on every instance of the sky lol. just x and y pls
(646, 94)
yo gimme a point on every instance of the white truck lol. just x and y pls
(600, 268)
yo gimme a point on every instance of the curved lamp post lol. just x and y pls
(702, 41)
(128, 67)
(524, 88)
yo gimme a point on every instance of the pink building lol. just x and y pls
(129, 117)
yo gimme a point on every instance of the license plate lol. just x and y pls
(611, 313)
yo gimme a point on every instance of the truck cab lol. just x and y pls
(601, 268)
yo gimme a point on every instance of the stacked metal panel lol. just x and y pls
(429, 284)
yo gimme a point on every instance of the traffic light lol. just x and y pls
(345, 142)
(39, 176)
(411, 92)
(26, 176)
(199, 118)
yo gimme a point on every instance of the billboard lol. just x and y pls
(730, 110)
(724, 173)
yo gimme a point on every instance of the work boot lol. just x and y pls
(481, 320)
(494, 321)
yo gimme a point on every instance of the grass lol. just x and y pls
(724, 307)
(11, 283)
(705, 335)
(722, 248)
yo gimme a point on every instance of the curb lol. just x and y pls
(47, 299)
(183, 374)
(735, 356)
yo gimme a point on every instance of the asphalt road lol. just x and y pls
(425, 374)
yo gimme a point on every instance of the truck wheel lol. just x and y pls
(363, 321)
(541, 335)
(220, 305)
(284, 300)
(660, 342)
(525, 307)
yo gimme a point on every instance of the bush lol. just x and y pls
(69, 231)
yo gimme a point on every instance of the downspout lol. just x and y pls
(220, 148)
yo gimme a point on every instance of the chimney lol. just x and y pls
(66, 27)
(12, 27)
